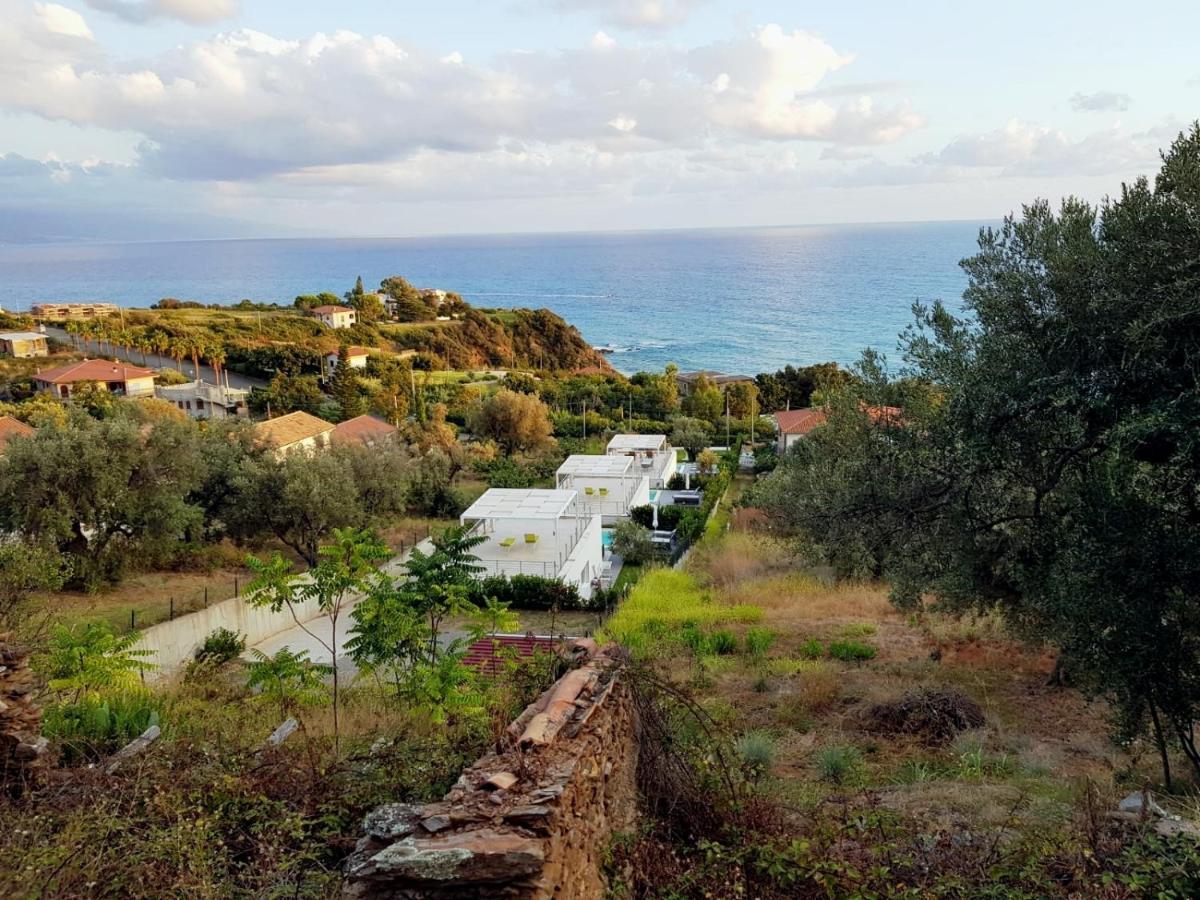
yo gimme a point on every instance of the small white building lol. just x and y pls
(549, 533)
(202, 400)
(608, 485)
(652, 454)
(336, 316)
(23, 344)
(356, 356)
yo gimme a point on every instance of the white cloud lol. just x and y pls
(644, 15)
(245, 105)
(1101, 101)
(195, 12)
(58, 20)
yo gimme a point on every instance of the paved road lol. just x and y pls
(152, 360)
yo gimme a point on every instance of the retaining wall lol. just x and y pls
(532, 821)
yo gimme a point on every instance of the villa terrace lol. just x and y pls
(652, 454)
(608, 485)
(550, 533)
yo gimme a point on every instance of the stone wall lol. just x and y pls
(22, 749)
(532, 821)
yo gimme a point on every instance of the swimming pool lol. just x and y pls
(606, 538)
(653, 496)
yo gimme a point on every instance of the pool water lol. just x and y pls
(653, 496)
(606, 538)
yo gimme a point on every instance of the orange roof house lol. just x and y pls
(12, 428)
(795, 424)
(117, 377)
(365, 430)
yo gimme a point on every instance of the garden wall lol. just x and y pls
(532, 821)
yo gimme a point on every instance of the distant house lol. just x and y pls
(795, 424)
(357, 358)
(365, 430)
(336, 316)
(201, 400)
(687, 380)
(652, 454)
(116, 377)
(23, 344)
(292, 432)
(12, 428)
(608, 486)
(61, 312)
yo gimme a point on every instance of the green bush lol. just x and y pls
(221, 646)
(758, 642)
(839, 764)
(722, 642)
(757, 752)
(811, 649)
(533, 592)
(851, 651)
(95, 726)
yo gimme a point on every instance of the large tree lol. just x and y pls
(1053, 470)
(513, 420)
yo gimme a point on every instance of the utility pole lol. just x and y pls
(585, 420)
(727, 419)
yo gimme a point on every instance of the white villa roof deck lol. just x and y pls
(638, 442)
(585, 465)
(516, 503)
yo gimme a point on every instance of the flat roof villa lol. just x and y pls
(653, 455)
(202, 400)
(608, 485)
(535, 531)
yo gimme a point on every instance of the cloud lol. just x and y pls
(246, 105)
(641, 15)
(1101, 101)
(195, 12)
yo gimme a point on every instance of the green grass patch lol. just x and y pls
(662, 606)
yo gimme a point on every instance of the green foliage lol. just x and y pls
(692, 434)
(83, 659)
(632, 542)
(756, 750)
(513, 420)
(531, 592)
(811, 649)
(793, 388)
(839, 765)
(96, 725)
(851, 651)
(26, 569)
(289, 679)
(660, 604)
(221, 646)
(722, 642)
(1046, 460)
(758, 642)
(346, 387)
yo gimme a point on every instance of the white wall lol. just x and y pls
(585, 560)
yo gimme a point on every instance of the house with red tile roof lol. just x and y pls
(365, 430)
(116, 377)
(292, 432)
(12, 428)
(356, 358)
(795, 424)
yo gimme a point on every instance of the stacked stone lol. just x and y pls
(22, 748)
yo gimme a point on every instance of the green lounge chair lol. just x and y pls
(531, 538)
(508, 542)
(589, 491)
(603, 492)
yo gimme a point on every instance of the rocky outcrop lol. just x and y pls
(532, 821)
(22, 749)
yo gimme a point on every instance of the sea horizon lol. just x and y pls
(772, 295)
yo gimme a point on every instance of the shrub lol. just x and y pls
(811, 649)
(934, 714)
(633, 543)
(95, 726)
(820, 687)
(758, 642)
(757, 752)
(851, 651)
(221, 646)
(722, 642)
(533, 592)
(858, 629)
(839, 764)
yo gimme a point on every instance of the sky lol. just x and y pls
(155, 119)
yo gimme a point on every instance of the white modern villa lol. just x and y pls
(550, 533)
(607, 485)
(652, 454)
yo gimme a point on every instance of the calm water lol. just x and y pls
(743, 300)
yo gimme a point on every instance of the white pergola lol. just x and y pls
(637, 443)
(513, 512)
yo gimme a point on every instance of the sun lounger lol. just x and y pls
(508, 542)
(531, 538)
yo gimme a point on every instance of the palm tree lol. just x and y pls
(215, 354)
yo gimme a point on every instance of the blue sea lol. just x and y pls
(736, 300)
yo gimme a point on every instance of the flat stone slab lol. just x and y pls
(475, 857)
